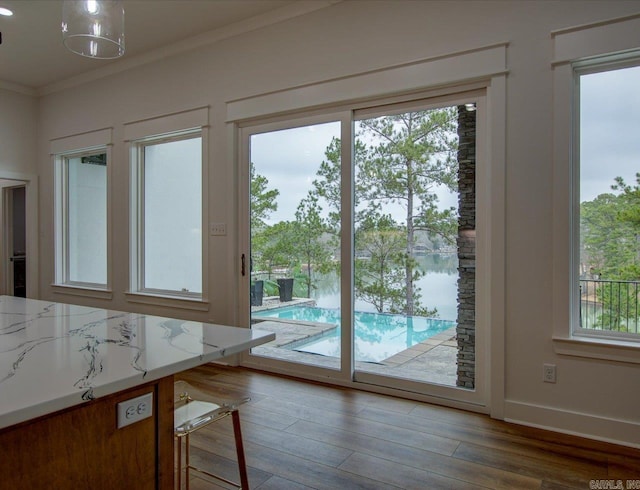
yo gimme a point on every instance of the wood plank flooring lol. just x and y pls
(302, 435)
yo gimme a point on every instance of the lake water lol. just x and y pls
(438, 288)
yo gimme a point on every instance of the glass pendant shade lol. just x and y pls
(93, 28)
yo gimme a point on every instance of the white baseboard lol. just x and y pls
(624, 432)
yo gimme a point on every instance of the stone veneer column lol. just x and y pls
(466, 242)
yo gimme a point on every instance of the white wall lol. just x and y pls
(349, 38)
(17, 133)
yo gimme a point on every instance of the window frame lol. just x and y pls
(592, 66)
(72, 146)
(137, 267)
(575, 47)
(63, 257)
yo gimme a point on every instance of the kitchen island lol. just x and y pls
(63, 371)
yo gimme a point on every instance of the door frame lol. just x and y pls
(477, 399)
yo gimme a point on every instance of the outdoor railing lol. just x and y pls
(610, 305)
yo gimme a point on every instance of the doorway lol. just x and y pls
(14, 239)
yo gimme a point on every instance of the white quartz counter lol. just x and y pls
(54, 355)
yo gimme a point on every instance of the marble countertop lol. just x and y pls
(54, 355)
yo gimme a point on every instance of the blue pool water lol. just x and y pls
(378, 336)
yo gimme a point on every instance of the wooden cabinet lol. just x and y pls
(81, 448)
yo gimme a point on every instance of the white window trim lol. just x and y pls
(482, 68)
(573, 47)
(170, 127)
(462, 67)
(61, 149)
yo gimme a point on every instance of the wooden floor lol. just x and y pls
(303, 435)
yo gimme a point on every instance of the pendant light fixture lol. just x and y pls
(93, 28)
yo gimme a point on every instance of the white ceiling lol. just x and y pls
(33, 57)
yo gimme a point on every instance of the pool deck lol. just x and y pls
(434, 360)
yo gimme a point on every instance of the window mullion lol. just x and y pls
(347, 245)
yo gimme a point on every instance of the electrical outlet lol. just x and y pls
(217, 229)
(134, 410)
(549, 373)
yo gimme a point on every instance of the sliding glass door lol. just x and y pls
(362, 246)
(412, 207)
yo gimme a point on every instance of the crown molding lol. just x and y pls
(20, 89)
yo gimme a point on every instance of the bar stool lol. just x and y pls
(193, 409)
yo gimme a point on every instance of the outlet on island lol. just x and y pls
(134, 410)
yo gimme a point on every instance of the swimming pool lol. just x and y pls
(378, 336)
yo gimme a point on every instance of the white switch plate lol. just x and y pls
(218, 229)
(134, 410)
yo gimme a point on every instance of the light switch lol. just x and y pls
(218, 229)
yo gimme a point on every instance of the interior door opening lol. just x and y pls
(14, 242)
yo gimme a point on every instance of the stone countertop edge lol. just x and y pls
(14, 337)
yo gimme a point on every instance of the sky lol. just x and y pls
(289, 159)
(609, 130)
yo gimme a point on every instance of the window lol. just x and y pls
(81, 219)
(589, 134)
(607, 199)
(167, 224)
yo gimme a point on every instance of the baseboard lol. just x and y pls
(623, 432)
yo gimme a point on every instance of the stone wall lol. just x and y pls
(466, 243)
